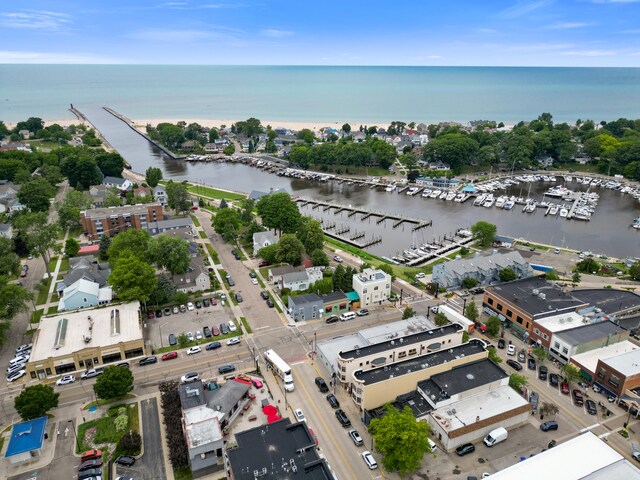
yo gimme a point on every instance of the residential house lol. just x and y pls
(112, 220)
(196, 278)
(372, 286)
(6, 230)
(440, 166)
(121, 184)
(484, 269)
(87, 268)
(84, 293)
(188, 145)
(160, 194)
(211, 148)
(20, 146)
(294, 278)
(305, 307)
(400, 146)
(97, 193)
(263, 239)
(142, 192)
(9, 197)
(257, 194)
(25, 134)
(163, 226)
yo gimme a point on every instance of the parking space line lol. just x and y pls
(590, 427)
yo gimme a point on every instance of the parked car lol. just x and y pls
(123, 365)
(176, 310)
(554, 380)
(194, 350)
(238, 298)
(355, 437)
(66, 380)
(531, 364)
(206, 302)
(24, 348)
(233, 341)
(521, 357)
(501, 343)
(332, 319)
(533, 400)
(515, 365)
(198, 304)
(15, 367)
(25, 269)
(190, 306)
(18, 359)
(232, 326)
(511, 350)
(93, 463)
(226, 368)
(257, 383)
(224, 328)
(465, 449)
(578, 399)
(198, 335)
(183, 308)
(591, 407)
(90, 455)
(252, 274)
(264, 295)
(542, 373)
(92, 372)
(148, 360)
(16, 375)
(564, 388)
(254, 281)
(215, 330)
(190, 336)
(338, 258)
(269, 303)
(207, 332)
(548, 426)
(369, 460)
(342, 418)
(125, 460)
(167, 312)
(263, 263)
(91, 472)
(158, 313)
(363, 312)
(230, 281)
(213, 346)
(322, 385)
(299, 415)
(151, 314)
(333, 401)
(172, 340)
(169, 356)
(190, 377)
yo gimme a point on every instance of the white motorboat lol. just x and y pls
(479, 200)
(564, 212)
(501, 201)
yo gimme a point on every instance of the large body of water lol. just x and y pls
(323, 94)
(608, 231)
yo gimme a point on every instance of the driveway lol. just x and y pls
(150, 466)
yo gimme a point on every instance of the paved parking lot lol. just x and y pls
(157, 330)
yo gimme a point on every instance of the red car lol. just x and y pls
(263, 263)
(564, 388)
(215, 330)
(169, 356)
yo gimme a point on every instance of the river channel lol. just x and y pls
(608, 232)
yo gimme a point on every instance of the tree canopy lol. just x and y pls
(484, 233)
(507, 274)
(36, 194)
(290, 250)
(110, 164)
(113, 383)
(9, 260)
(35, 401)
(401, 439)
(39, 235)
(153, 175)
(69, 209)
(132, 279)
(130, 242)
(178, 197)
(170, 253)
(279, 212)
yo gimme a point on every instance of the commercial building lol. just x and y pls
(522, 301)
(568, 343)
(305, 307)
(544, 328)
(277, 450)
(80, 340)
(584, 457)
(484, 269)
(372, 286)
(619, 373)
(112, 220)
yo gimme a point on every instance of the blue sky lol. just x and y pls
(346, 32)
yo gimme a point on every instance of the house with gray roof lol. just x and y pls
(196, 278)
(84, 294)
(264, 239)
(585, 338)
(163, 226)
(294, 278)
(305, 307)
(97, 193)
(121, 184)
(485, 269)
(85, 268)
(6, 230)
(160, 194)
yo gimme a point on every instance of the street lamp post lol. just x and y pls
(75, 435)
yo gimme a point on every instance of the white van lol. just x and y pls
(432, 445)
(495, 436)
(347, 316)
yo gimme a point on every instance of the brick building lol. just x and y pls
(112, 220)
(617, 374)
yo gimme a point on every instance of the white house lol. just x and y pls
(6, 230)
(372, 286)
(160, 194)
(84, 293)
(294, 278)
(263, 239)
(121, 184)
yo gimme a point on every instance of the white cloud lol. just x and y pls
(522, 8)
(183, 36)
(14, 56)
(568, 25)
(275, 33)
(34, 20)
(590, 53)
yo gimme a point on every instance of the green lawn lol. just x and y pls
(213, 253)
(105, 429)
(183, 473)
(223, 273)
(247, 328)
(53, 261)
(215, 193)
(64, 265)
(202, 234)
(195, 220)
(43, 291)
(75, 232)
(52, 310)
(37, 315)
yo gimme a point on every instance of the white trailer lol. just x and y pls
(281, 368)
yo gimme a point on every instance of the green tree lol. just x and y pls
(36, 195)
(634, 271)
(539, 352)
(250, 127)
(183, 340)
(130, 242)
(35, 401)
(269, 253)
(223, 204)
(9, 260)
(549, 409)
(178, 197)
(13, 300)
(279, 212)
(494, 357)
(103, 251)
(471, 311)
(69, 209)
(346, 128)
(507, 274)
(164, 291)
(130, 443)
(306, 136)
(229, 149)
(112, 198)
(110, 164)
(571, 373)
(408, 313)
(493, 326)
(226, 222)
(588, 265)
(133, 279)
(456, 149)
(517, 381)
(290, 250)
(575, 278)
(71, 247)
(484, 233)
(39, 236)
(319, 258)
(152, 177)
(401, 438)
(115, 382)
(388, 269)
(468, 282)
(170, 253)
(310, 234)
(246, 210)
(552, 275)
(441, 319)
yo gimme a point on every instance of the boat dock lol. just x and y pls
(441, 252)
(418, 223)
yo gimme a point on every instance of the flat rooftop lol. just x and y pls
(520, 292)
(420, 337)
(369, 275)
(275, 451)
(66, 333)
(589, 360)
(460, 379)
(588, 458)
(381, 374)
(626, 363)
(416, 402)
(105, 212)
(481, 406)
(564, 321)
(609, 300)
(588, 333)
